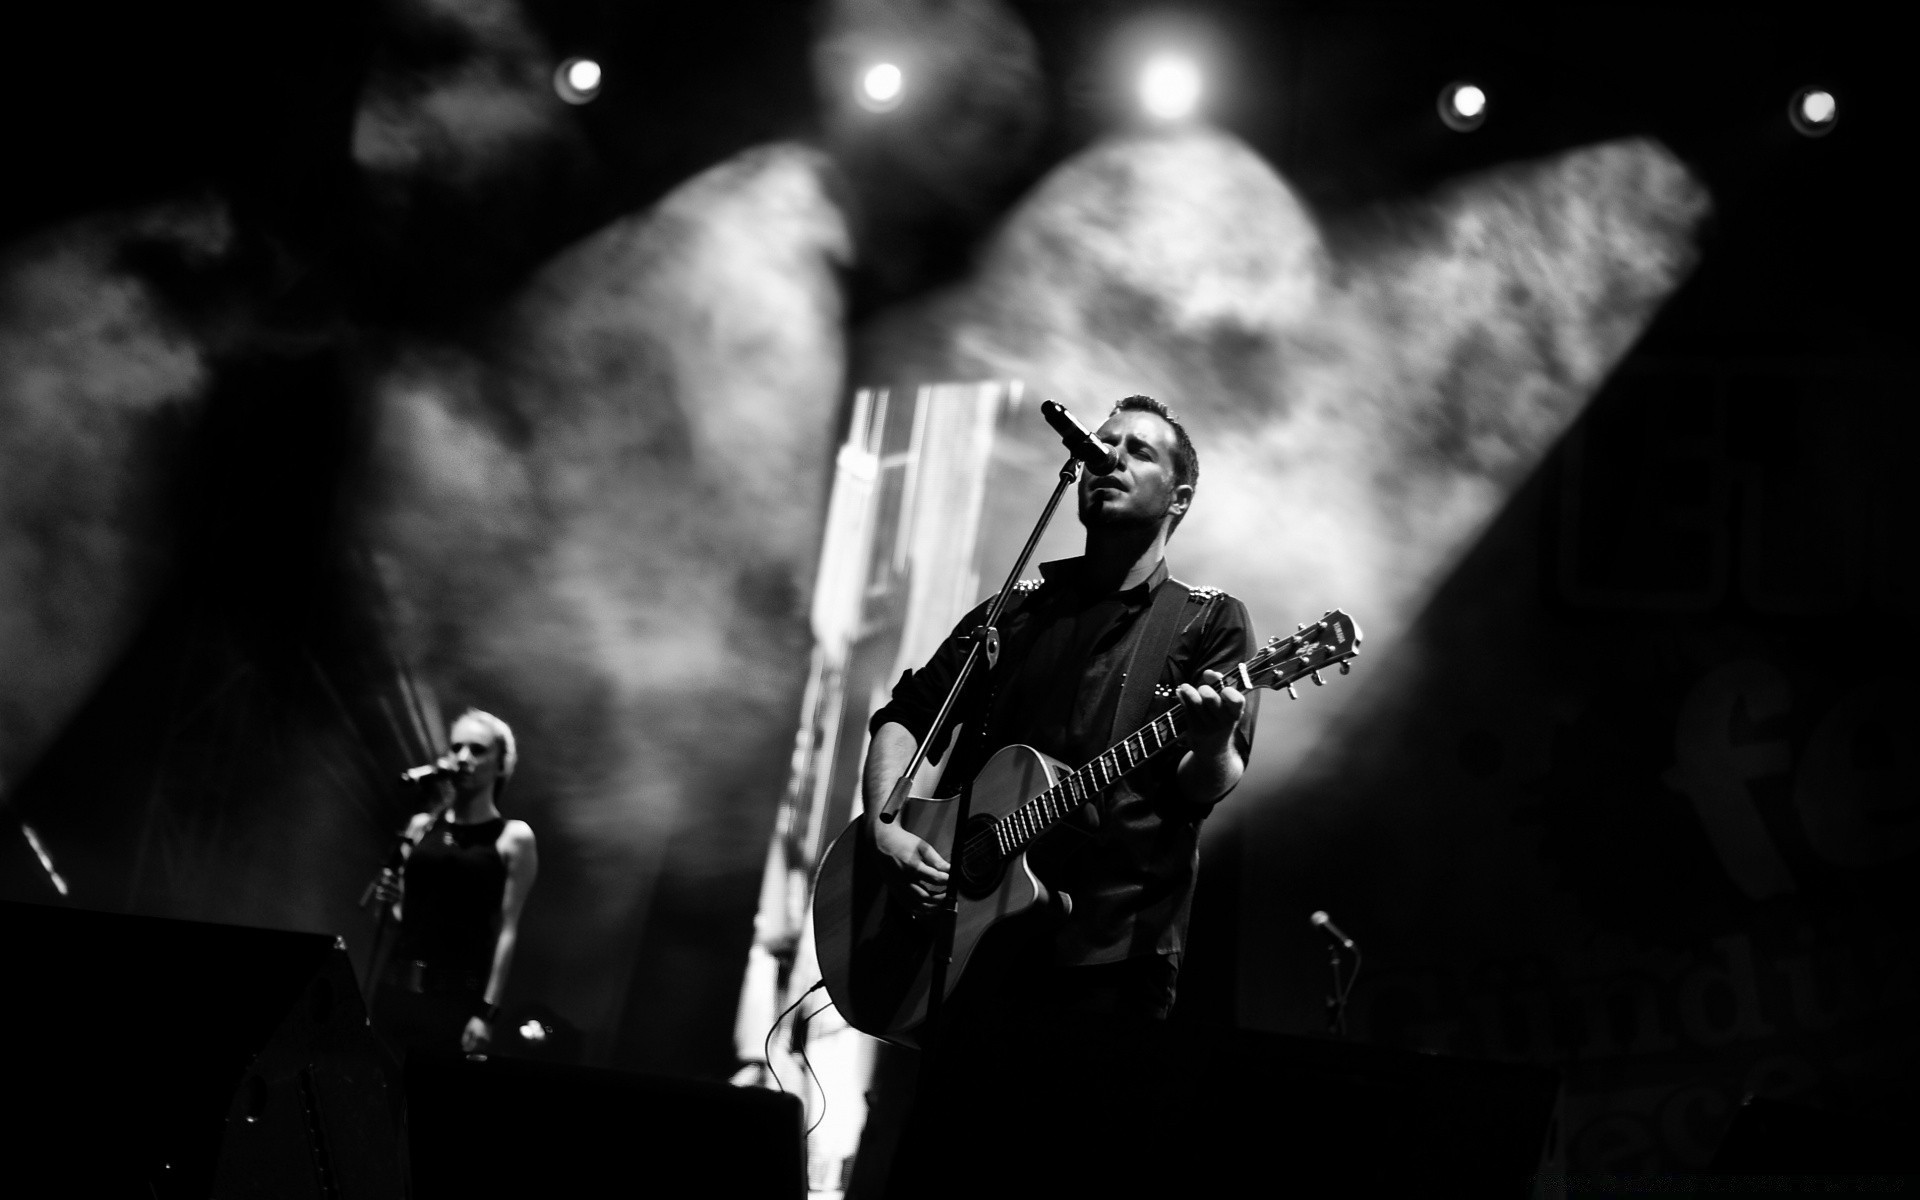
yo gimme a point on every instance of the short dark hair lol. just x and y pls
(1186, 460)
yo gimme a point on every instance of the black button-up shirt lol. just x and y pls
(1130, 865)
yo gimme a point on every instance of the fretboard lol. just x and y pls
(1018, 829)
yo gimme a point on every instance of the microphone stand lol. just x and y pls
(1337, 999)
(986, 640)
(383, 922)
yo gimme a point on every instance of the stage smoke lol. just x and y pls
(463, 123)
(97, 386)
(466, 154)
(1363, 401)
(604, 528)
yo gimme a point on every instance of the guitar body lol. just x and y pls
(876, 954)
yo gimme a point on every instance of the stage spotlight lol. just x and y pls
(1814, 111)
(1463, 106)
(1170, 87)
(577, 80)
(881, 87)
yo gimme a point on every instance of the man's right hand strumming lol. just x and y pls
(915, 870)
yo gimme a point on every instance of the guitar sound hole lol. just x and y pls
(980, 866)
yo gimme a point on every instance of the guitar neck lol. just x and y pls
(1020, 827)
(1328, 642)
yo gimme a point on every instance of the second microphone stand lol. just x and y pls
(379, 896)
(1342, 986)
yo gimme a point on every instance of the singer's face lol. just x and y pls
(1141, 490)
(476, 755)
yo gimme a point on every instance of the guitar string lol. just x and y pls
(1047, 809)
(1037, 815)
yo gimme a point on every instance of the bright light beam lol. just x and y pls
(1170, 87)
(1463, 106)
(1813, 111)
(577, 80)
(881, 87)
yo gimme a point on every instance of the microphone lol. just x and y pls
(1080, 443)
(438, 769)
(1325, 922)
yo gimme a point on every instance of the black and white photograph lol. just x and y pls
(905, 599)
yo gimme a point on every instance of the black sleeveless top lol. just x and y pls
(455, 878)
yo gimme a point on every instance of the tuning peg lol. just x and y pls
(1299, 627)
(1291, 694)
(1346, 668)
(1317, 681)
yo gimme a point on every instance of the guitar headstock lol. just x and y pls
(1331, 641)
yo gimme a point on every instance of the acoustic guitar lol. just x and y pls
(882, 960)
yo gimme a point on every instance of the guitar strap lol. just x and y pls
(1149, 657)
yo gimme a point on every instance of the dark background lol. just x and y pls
(1727, 524)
